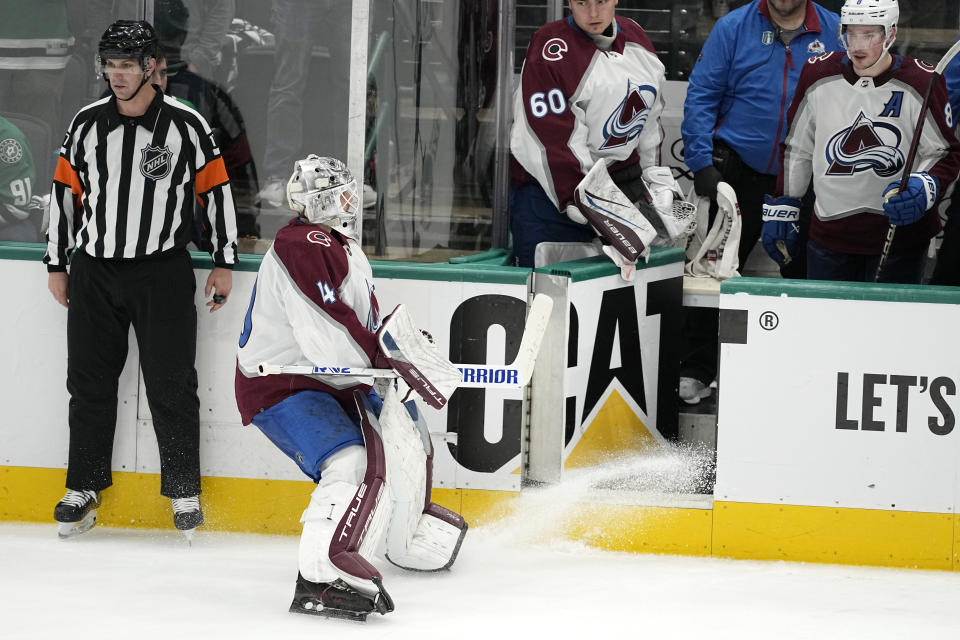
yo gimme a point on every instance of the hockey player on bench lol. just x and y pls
(314, 301)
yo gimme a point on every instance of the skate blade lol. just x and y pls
(188, 536)
(73, 529)
(337, 614)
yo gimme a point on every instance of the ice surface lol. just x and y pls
(136, 584)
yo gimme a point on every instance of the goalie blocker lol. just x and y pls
(625, 231)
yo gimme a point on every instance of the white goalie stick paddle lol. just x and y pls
(476, 376)
(914, 145)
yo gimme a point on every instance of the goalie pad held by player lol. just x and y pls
(713, 249)
(406, 350)
(627, 228)
(610, 213)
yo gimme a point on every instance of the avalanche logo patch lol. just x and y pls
(627, 120)
(155, 162)
(318, 237)
(554, 49)
(865, 146)
(11, 151)
(816, 48)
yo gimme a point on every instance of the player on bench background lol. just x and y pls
(314, 301)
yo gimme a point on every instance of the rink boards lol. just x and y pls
(790, 483)
(836, 434)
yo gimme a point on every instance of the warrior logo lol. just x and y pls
(11, 151)
(865, 146)
(627, 120)
(155, 162)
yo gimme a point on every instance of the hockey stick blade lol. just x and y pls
(533, 332)
(475, 376)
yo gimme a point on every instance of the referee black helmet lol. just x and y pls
(128, 39)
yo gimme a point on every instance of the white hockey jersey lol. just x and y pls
(577, 104)
(851, 136)
(313, 302)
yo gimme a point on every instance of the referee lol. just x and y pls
(131, 168)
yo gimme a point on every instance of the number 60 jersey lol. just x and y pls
(577, 103)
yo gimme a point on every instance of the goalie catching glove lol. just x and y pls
(406, 350)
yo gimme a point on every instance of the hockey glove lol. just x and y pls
(573, 212)
(909, 205)
(706, 180)
(781, 228)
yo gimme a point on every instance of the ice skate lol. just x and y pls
(692, 391)
(76, 512)
(187, 515)
(336, 600)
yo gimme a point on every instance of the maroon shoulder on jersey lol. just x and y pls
(630, 31)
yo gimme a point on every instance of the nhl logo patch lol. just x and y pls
(816, 48)
(155, 162)
(767, 37)
(11, 151)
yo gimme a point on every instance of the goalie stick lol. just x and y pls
(513, 375)
(914, 145)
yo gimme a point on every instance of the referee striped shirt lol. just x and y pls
(125, 186)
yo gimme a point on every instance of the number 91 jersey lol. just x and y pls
(577, 103)
(16, 170)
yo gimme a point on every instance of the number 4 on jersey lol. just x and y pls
(327, 292)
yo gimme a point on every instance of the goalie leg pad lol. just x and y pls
(347, 516)
(309, 427)
(421, 535)
(359, 531)
(435, 542)
(713, 251)
(340, 476)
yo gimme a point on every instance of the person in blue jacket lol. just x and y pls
(947, 270)
(734, 119)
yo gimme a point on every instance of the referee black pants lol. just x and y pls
(155, 295)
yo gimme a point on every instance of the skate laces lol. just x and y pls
(186, 505)
(78, 498)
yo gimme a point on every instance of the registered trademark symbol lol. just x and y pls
(769, 321)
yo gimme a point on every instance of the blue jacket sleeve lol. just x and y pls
(705, 92)
(952, 75)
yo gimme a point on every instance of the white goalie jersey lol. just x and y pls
(313, 302)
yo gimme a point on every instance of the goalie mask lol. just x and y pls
(882, 13)
(323, 191)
